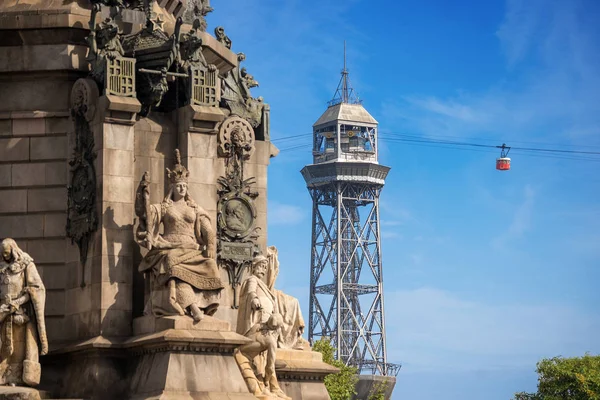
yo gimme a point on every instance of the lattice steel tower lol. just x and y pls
(346, 278)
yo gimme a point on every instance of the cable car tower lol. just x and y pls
(346, 276)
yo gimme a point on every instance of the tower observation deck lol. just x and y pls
(346, 275)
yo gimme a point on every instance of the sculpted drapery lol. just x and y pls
(180, 263)
(259, 320)
(288, 306)
(22, 324)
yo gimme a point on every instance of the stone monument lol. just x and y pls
(142, 277)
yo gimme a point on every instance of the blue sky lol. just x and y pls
(485, 272)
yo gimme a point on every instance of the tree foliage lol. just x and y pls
(340, 386)
(559, 378)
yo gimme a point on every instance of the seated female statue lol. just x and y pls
(181, 267)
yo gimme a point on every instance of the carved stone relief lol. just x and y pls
(82, 217)
(236, 212)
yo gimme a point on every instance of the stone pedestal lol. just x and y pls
(301, 373)
(185, 360)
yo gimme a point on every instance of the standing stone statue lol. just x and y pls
(181, 267)
(22, 326)
(259, 320)
(288, 306)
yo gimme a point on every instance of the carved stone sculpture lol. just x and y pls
(236, 96)
(236, 218)
(82, 216)
(105, 44)
(260, 321)
(202, 87)
(222, 37)
(197, 10)
(288, 306)
(22, 325)
(180, 266)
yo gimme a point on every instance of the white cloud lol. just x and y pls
(285, 214)
(429, 328)
(521, 221)
(450, 109)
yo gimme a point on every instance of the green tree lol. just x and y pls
(340, 386)
(559, 378)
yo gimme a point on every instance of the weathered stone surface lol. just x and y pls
(5, 175)
(33, 174)
(115, 296)
(118, 189)
(150, 324)
(13, 201)
(48, 148)
(170, 363)
(56, 173)
(51, 199)
(59, 125)
(55, 302)
(42, 57)
(19, 393)
(28, 126)
(117, 137)
(44, 93)
(54, 276)
(14, 149)
(116, 162)
(5, 127)
(22, 226)
(54, 225)
(47, 250)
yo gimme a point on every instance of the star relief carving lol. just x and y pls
(157, 23)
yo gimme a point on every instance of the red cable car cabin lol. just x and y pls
(503, 164)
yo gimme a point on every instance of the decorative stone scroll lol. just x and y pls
(236, 215)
